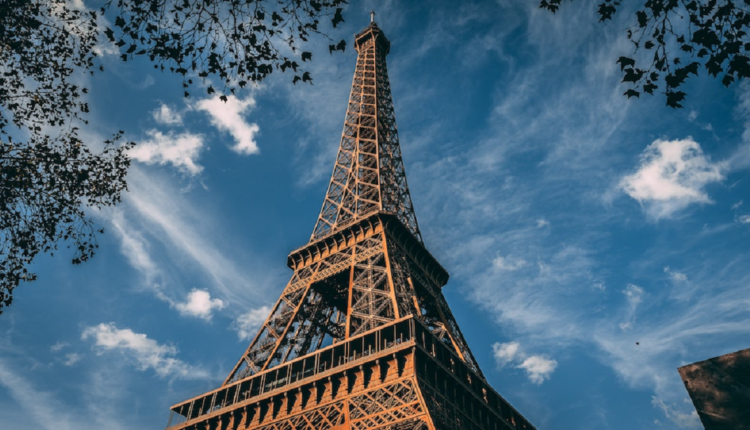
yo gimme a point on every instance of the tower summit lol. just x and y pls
(361, 337)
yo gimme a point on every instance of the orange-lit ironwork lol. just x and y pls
(361, 337)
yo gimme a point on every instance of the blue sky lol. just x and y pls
(595, 243)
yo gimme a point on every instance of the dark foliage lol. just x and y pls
(48, 174)
(685, 37)
(234, 42)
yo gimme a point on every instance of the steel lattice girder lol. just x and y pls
(369, 173)
(361, 337)
(380, 274)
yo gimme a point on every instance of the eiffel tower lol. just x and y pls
(362, 337)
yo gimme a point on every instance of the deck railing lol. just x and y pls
(396, 335)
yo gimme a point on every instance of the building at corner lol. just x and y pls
(720, 390)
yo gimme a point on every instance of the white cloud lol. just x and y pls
(675, 276)
(180, 150)
(504, 353)
(248, 323)
(508, 263)
(147, 353)
(226, 116)
(538, 368)
(166, 115)
(199, 304)
(678, 276)
(72, 358)
(671, 176)
(737, 205)
(58, 346)
(686, 420)
(633, 293)
(744, 219)
(541, 222)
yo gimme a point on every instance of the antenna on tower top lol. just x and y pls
(372, 16)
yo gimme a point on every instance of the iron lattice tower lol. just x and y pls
(361, 337)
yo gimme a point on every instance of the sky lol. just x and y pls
(595, 243)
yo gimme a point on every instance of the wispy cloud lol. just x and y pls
(171, 222)
(163, 235)
(508, 263)
(685, 420)
(133, 246)
(671, 176)
(42, 408)
(227, 116)
(634, 295)
(147, 353)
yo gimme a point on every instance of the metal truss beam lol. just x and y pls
(362, 336)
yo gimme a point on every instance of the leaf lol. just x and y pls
(705, 37)
(674, 98)
(625, 62)
(632, 75)
(676, 78)
(740, 65)
(306, 56)
(631, 92)
(605, 11)
(337, 17)
(642, 18)
(727, 80)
